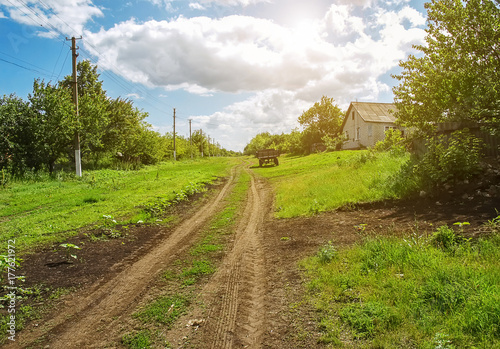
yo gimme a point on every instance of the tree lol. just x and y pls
(458, 76)
(93, 109)
(55, 120)
(324, 118)
(17, 135)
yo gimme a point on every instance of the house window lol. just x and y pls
(357, 133)
(353, 115)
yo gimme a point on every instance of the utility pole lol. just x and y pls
(78, 159)
(208, 141)
(175, 149)
(190, 140)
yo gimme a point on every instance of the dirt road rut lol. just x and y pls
(235, 296)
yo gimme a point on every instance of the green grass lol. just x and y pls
(44, 210)
(410, 293)
(138, 340)
(164, 310)
(312, 184)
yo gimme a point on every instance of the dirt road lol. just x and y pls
(89, 317)
(234, 299)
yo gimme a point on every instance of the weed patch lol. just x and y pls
(165, 310)
(138, 340)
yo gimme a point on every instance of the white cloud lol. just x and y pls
(134, 96)
(196, 6)
(56, 16)
(235, 53)
(271, 110)
(2, 15)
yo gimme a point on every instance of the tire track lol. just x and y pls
(236, 293)
(88, 319)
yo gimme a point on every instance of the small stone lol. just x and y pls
(195, 322)
(423, 194)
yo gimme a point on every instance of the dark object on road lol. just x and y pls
(268, 156)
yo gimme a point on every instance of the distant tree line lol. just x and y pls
(38, 133)
(321, 125)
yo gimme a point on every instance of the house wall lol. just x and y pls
(351, 125)
(363, 134)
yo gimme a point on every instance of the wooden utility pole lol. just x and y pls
(175, 149)
(190, 140)
(78, 159)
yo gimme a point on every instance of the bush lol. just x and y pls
(450, 159)
(393, 141)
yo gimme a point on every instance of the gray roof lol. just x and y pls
(375, 112)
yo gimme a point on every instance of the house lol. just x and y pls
(365, 123)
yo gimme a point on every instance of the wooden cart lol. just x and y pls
(267, 156)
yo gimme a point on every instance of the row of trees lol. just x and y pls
(38, 133)
(321, 125)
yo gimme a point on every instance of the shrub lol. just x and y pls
(393, 141)
(450, 159)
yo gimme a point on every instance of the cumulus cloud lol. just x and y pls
(232, 54)
(56, 16)
(236, 53)
(267, 111)
(347, 56)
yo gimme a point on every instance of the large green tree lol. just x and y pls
(93, 109)
(54, 119)
(17, 136)
(457, 75)
(324, 118)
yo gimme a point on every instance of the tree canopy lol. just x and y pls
(457, 76)
(38, 134)
(324, 118)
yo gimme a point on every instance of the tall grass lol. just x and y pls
(320, 182)
(410, 293)
(41, 209)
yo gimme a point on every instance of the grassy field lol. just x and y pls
(43, 209)
(437, 292)
(320, 182)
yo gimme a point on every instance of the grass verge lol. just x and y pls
(43, 210)
(418, 292)
(311, 184)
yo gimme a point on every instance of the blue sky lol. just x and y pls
(235, 67)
